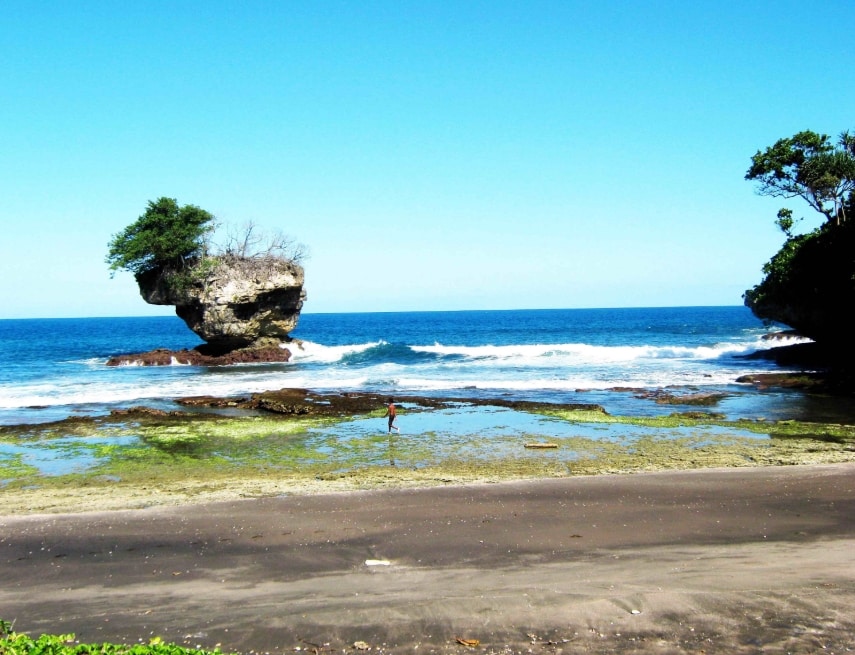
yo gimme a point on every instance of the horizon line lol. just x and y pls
(407, 311)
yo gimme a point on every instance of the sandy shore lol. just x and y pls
(715, 561)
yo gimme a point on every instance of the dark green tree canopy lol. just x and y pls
(165, 237)
(808, 166)
(809, 284)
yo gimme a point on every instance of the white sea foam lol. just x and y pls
(572, 382)
(315, 352)
(566, 366)
(545, 367)
(581, 353)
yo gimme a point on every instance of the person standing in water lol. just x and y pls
(392, 414)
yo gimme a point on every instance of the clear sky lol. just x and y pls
(430, 155)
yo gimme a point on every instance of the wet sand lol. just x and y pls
(713, 561)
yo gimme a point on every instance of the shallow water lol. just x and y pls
(488, 433)
(505, 423)
(460, 432)
(63, 455)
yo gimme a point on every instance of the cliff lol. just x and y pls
(809, 285)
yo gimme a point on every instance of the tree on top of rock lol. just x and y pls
(247, 291)
(165, 237)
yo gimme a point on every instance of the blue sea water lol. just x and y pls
(55, 368)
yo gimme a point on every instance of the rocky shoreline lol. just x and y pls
(822, 369)
(297, 441)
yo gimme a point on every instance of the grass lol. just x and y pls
(17, 643)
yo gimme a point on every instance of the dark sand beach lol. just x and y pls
(741, 560)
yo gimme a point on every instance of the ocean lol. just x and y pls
(51, 369)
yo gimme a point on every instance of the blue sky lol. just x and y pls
(430, 155)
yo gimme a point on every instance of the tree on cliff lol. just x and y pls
(809, 283)
(808, 166)
(165, 237)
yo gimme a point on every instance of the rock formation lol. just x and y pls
(243, 308)
(235, 302)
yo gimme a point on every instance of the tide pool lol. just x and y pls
(457, 434)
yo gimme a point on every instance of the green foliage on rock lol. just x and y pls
(165, 237)
(171, 252)
(809, 283)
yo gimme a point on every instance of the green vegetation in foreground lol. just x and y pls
(13, 467)
(177, 457)
(17, 643)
